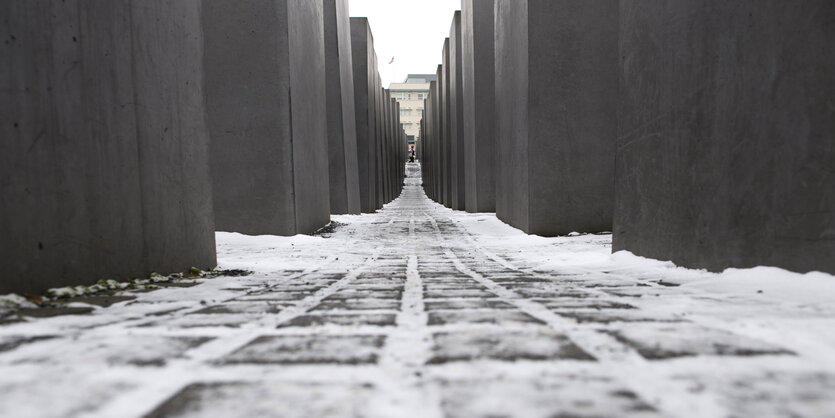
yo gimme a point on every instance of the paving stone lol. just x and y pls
(663, 341)
(275, 296)
(266, 399)
(203, 320)
(244, 307)
(358, 304)
(385, 281)
(359, 294)
(440, 287)
(634, 292)
(428, 275)
(450, 282)
(290, 288)
(554, 396)
(375, 287)
(309, 349)
(563, 303)
(504, 345)
(353, 319)
(137, 350)
(458, 293)
(766, 393)
(541, 293)
(613, 316)
(503, 317)
(442, 304)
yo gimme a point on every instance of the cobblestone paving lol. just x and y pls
(405, 313)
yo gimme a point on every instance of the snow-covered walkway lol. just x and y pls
(420, 311)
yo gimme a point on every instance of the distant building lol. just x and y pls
(410, 95)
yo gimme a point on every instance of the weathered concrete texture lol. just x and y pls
(395, 149)
(342, 132)
(456, 116)
(172, 134)
(380, 137)
(438, 117)
(265, 74)
(446, 131)
(383, 98)
(427, 140)
(377, 123)
(104, 157)
(726, 127)
(388, 127)
(478, 104)
(365, 96)
(555, 114)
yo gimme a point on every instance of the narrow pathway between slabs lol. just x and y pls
(418, 311)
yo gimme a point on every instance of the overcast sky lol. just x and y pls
(411, 31)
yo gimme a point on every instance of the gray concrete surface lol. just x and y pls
(456, 116)
(342, 132)
(725, 144)
(556, 114)
(388, 138)
(437, 115)
(265, 82)
(446, 129)
(103, 162)
(379, 138)
(172, 134)
(478, 104)
(364, 63)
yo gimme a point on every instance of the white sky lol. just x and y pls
(411, 31)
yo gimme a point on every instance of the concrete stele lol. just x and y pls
(555, 75)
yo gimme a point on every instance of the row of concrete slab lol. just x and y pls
(132, 130)
(701, 132)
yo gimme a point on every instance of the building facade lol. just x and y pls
(410, 94)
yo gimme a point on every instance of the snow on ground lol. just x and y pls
(420, 311)
(593, 253)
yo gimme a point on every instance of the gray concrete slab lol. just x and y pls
(446, 128)
(378, 146)
(104, 143)
(365, 96)
(438, 128)
(342, 132)
(456, 116)
(177, 215)
(725, 142)
(555, 114)
(478, 104)
(388, 133)
(269, 136)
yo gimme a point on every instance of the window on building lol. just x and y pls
(400, 96)
(420, 112)
(421, 96)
